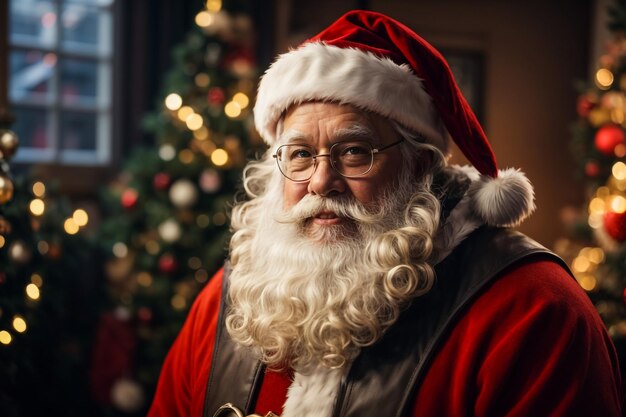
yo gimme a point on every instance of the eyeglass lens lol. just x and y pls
(351, 159)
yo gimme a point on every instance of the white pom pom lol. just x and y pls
(504, 201)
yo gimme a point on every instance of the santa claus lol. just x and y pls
(368, 278)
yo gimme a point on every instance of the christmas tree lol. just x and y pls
(597, 249)
(45, 314)
(167, 231)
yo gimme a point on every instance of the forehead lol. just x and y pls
(320, 121)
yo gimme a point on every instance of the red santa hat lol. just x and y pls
(373, 62)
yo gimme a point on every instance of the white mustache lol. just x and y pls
(312, 205)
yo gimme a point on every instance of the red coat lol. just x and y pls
(531, 345)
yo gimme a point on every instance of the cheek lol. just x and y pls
(383, 179)
(293, 193)
(366, 192)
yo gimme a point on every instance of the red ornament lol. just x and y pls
(592, 169)
(608, 137)
(624, 296)
(162, 181)
(584, 106)
(129, 198)
(3, 278)
(615, 225)
(167, 264)
(216, 96)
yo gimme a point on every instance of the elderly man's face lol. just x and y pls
(322, 124)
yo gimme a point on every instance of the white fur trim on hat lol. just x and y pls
(317, 71)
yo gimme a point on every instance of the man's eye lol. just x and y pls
(354, 150)
(301, 153)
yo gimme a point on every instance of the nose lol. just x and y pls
(326, 181)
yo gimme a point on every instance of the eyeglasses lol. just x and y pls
(351, 159)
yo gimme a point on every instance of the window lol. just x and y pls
(60, 80)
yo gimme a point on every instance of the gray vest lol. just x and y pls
(384, 378)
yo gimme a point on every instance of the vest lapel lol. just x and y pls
(235, 374)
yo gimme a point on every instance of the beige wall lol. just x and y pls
(534, 52)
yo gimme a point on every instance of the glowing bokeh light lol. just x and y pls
(242, 100)
(37, 207)
(587, 282)
(604, 78)
(173, 101)
(581, 264)
(232, 109)
(32, 291)
(597, 205)
(120, 249)
(5, 337)
(194, 121)
(219, 157)
(70, 226)
(618, 204)
(80, 217)
(214, 6)
(19, 324)
(596, 255)
(204, 19)
(619, 170)
(39, 189)
(184, 112)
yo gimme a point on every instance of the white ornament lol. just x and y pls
(127, 395)
(183, 193)
(170, 230)
(167, 152)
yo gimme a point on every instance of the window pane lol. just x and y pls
(33, 22)
(78, 131)
(79, 81)
(31, 126)
(102, 3)
(86, 29)
(31, 73)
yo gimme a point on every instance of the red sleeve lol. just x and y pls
(532, 345)
(184, 375)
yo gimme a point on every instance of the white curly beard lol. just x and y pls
(305, 300)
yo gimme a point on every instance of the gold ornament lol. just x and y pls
(8, 144)
(6, 189)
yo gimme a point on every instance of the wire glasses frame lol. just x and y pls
(351, 159)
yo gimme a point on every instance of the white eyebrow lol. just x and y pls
(355, 131)
(358, 131)
(292, 135)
